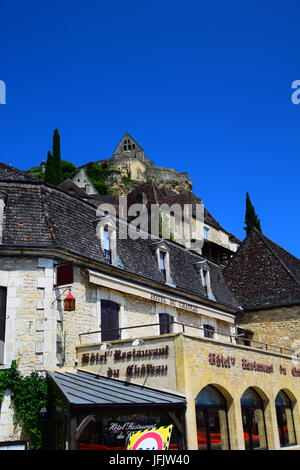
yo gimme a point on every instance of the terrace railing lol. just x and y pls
(184, 328)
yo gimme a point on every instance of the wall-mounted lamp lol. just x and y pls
(69, 303)
(137, 342)
(105, 346)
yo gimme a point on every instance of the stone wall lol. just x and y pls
(191, 363)
(279, 326)
(195, 370)
(42, 336)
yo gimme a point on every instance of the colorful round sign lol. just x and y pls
(149, 441)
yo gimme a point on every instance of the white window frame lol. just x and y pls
(206, 233)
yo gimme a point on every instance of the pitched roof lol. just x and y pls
(9, 173)
(40, 215)
(262, 274)
(70, 187)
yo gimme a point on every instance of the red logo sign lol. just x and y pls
(149, 441)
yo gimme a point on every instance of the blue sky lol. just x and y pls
(203, 87)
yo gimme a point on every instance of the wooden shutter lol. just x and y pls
(3, 294)
(64, 274)
(109, 320)
(164, 323)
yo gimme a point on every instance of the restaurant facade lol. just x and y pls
(137, 334)
(218, 392)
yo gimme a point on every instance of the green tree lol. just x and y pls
(53, 170)
(50, 176)
(251, 219)
(68, 170)
(57, 157)
(97, 175)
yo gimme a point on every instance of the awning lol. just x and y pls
(85, 388)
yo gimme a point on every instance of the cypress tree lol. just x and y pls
(57, 157)
(251, 219)
(50, 170)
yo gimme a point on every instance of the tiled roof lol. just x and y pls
(70, 187)
(9, 173)
(262, 274)
(41, 215)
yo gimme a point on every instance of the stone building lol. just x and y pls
(142, 182)
(132, 333)
(265, 280)
(132, 166)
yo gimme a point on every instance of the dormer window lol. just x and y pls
(205, 277)
(206, 233)
(3, 197)
(106, 244)
(162, 264)
(204, 273)
(106, 231)
(161, 251)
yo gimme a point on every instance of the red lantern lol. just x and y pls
(69, 303)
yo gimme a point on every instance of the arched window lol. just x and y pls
(109, 321)
(285, 421)
(211, 416)
(253, 420)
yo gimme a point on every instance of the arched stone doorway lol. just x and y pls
(254, 427)
(285, 419)
(211, 418)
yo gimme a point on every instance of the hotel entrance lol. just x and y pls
(212, 424)
(99, 413)
(253, 420)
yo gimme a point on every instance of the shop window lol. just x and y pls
(209, 331)
(110, 430)
(3, 295)
(211, 416)
(109, 321)
(253, 420)
(64, 274)
(285, 420)
(165, 323)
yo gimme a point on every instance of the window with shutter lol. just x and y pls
(64, 274)
(165, 321)
(209, 331)
(3, 295)
(109, 321)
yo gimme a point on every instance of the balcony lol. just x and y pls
(153, 329)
